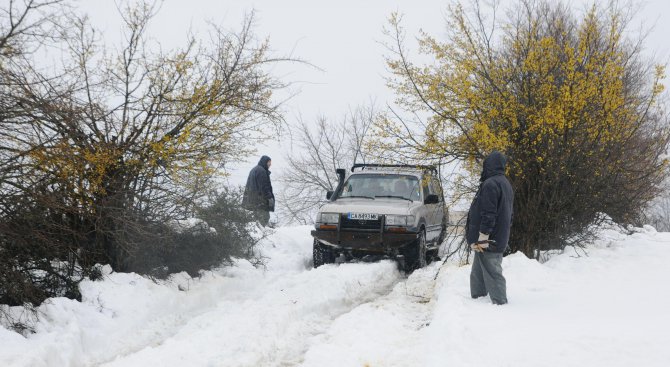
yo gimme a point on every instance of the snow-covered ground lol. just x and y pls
(610, 308)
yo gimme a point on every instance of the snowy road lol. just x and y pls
(240, 316)
(293, 315)
(606, 309)
(272, 323)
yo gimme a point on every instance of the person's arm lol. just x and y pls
(266, 186)
(488, 205)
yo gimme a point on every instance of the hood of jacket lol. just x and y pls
(264, 162)
(494, 165)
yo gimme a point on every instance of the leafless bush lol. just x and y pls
(658, 212)
(100, 153)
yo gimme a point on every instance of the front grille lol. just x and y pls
(346, 223)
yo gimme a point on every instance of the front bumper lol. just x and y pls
(377, 241)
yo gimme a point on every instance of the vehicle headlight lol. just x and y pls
(332, 218)
(399, 220)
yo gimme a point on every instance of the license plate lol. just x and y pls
(363, 216)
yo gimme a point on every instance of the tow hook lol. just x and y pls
(341, 259)
(401, 261)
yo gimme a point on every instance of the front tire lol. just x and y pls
(322, 254)
(415, 254)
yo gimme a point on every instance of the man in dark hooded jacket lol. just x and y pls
(258, 196)
(488, 229)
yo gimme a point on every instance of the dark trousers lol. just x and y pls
(263, 217)
(486, 277)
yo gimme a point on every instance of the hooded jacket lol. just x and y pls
(258, 191)
(492, 208)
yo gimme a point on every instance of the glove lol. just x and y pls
(477, 248)
(483, 241)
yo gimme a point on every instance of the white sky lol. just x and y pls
(340, 37)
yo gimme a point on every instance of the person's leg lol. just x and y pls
(477, 285)
(494, 280)
(266, 218)
(263, 217)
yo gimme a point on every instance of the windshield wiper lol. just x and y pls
(356, 196)
(393, 196)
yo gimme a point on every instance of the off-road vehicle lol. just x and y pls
(389, 210)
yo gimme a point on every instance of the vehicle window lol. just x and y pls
(426, 185)
(436, 188)
(374, 185)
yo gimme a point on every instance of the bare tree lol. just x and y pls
(24, 27)
(100, 154)
(658, 212)
(321, 148)
(27, 24)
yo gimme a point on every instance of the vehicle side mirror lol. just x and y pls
(329, 194)
(432, 199)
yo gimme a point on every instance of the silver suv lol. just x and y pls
(392, 210)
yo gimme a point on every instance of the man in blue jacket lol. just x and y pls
(258, 195)
(488, 229)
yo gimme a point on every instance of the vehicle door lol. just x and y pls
(433, 218)
(440, 209)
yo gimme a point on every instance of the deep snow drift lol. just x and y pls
(609, 308)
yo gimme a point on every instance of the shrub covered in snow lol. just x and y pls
(40, 258)
(220, 231)
(84, 181)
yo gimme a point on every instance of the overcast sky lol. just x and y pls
(341, 37)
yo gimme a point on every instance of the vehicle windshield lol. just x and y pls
(382, 185)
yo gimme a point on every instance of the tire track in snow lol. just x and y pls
(383, 332)
(274, 326)
(204, 296)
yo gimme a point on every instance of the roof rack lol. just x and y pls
(363, 166)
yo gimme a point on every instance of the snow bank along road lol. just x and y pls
(606, 309)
